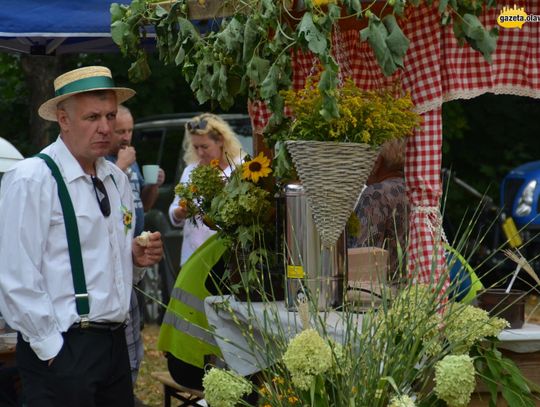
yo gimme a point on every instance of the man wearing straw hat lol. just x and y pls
(67, 248)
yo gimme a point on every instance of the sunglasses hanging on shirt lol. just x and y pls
(101, 196)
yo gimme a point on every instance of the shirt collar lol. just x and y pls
(71, 167)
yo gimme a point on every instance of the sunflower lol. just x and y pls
(257, 168)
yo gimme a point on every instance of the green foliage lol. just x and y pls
(13, 103)
(238, 207)
(498, 372)
(250, 52)
(388, 42)
(205, 182)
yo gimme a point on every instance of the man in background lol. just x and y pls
(123, 154)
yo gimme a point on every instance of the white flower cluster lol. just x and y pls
(223, 388)
(454, 378)
(307, 356)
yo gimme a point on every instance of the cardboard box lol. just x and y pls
(369, 264)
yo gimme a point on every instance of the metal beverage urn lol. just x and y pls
(313, 272)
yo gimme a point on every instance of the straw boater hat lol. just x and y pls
(81, 80)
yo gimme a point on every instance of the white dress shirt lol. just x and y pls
(195, 234)
(36, 285)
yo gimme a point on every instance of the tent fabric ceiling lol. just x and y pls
(56, 26)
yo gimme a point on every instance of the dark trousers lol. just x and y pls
(91, 370)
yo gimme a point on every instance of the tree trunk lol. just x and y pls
(40, 72)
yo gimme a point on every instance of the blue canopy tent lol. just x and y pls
(55, 27)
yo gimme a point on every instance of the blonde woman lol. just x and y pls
(208, 137)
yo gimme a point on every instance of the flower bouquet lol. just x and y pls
(240, 208)
(338, 150)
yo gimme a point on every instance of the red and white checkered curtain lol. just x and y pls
(436, 69)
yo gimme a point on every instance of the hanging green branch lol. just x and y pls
(250, 52)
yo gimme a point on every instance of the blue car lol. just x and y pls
(520, 191)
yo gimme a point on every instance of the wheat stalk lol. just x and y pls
(521, 261)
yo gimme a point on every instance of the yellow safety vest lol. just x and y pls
(184, 331)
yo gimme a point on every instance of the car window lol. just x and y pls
(162, 147)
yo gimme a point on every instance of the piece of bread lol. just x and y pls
(143, 239)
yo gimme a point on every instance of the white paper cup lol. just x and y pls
(150, 173)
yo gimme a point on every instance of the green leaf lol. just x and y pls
(232, 36)
(442, 5)
(282, 161)
(328, 81)
(458, 31)
(376, 34)
(333, 13)
(137, 6)
(354, 6)
(180, 56)
(330, 108)
(117, 12)
(118, 31)
(314, 38)
(160, 11)
(186, 28)
(396, 41)
(472, 27)
(276, 104)
(516, 377)
(399, 7)
(250, 38)
(139, 70)
(269, 86)
(512, 398)
(488, 44)
(270, 10)
(257, 69)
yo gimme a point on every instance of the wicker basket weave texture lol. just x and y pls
(332, 175)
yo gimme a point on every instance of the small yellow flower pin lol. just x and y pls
(127, 218)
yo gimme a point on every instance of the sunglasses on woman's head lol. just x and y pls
(101, 196)
(197, 125)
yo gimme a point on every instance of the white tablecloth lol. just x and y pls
(523, 340)
(233, 321)
(270, 318)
